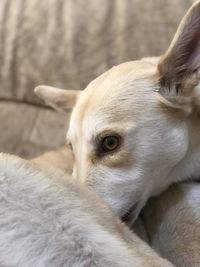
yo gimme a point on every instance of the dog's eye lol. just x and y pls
(110, 143)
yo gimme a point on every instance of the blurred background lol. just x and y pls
(67, 43)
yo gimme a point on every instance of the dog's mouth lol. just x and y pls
(131, 213)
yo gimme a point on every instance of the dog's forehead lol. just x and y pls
(112, 98)
(123, 82)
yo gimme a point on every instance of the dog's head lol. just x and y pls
(128, 127)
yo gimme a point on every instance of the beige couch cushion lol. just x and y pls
(28, 130)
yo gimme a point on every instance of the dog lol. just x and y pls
(60, 159)
(47, 219)
(169, 223)
(174, 231)
(135, 129)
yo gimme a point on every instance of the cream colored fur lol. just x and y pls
(60, 158)
(46, 219)
(153, 105)
(172, 222)
(169, 223)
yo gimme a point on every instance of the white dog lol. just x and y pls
(47, 220)
(172, 222)
(135, 129)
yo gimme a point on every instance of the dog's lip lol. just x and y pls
(132, 209)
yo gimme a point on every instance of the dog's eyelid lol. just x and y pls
(105, 133)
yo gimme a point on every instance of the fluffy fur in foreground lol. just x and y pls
(48, 220)
(169, 223)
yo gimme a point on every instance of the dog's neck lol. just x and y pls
(189, 166)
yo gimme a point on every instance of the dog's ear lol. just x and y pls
(59, 99)
(179, 67)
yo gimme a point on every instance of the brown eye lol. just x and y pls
(110, 143)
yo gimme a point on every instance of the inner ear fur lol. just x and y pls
(178, 68)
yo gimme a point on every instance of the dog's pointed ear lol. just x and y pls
(179, 67)
(59, 99)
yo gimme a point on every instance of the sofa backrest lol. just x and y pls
(67, 43)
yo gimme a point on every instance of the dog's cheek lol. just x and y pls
(119, 188)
